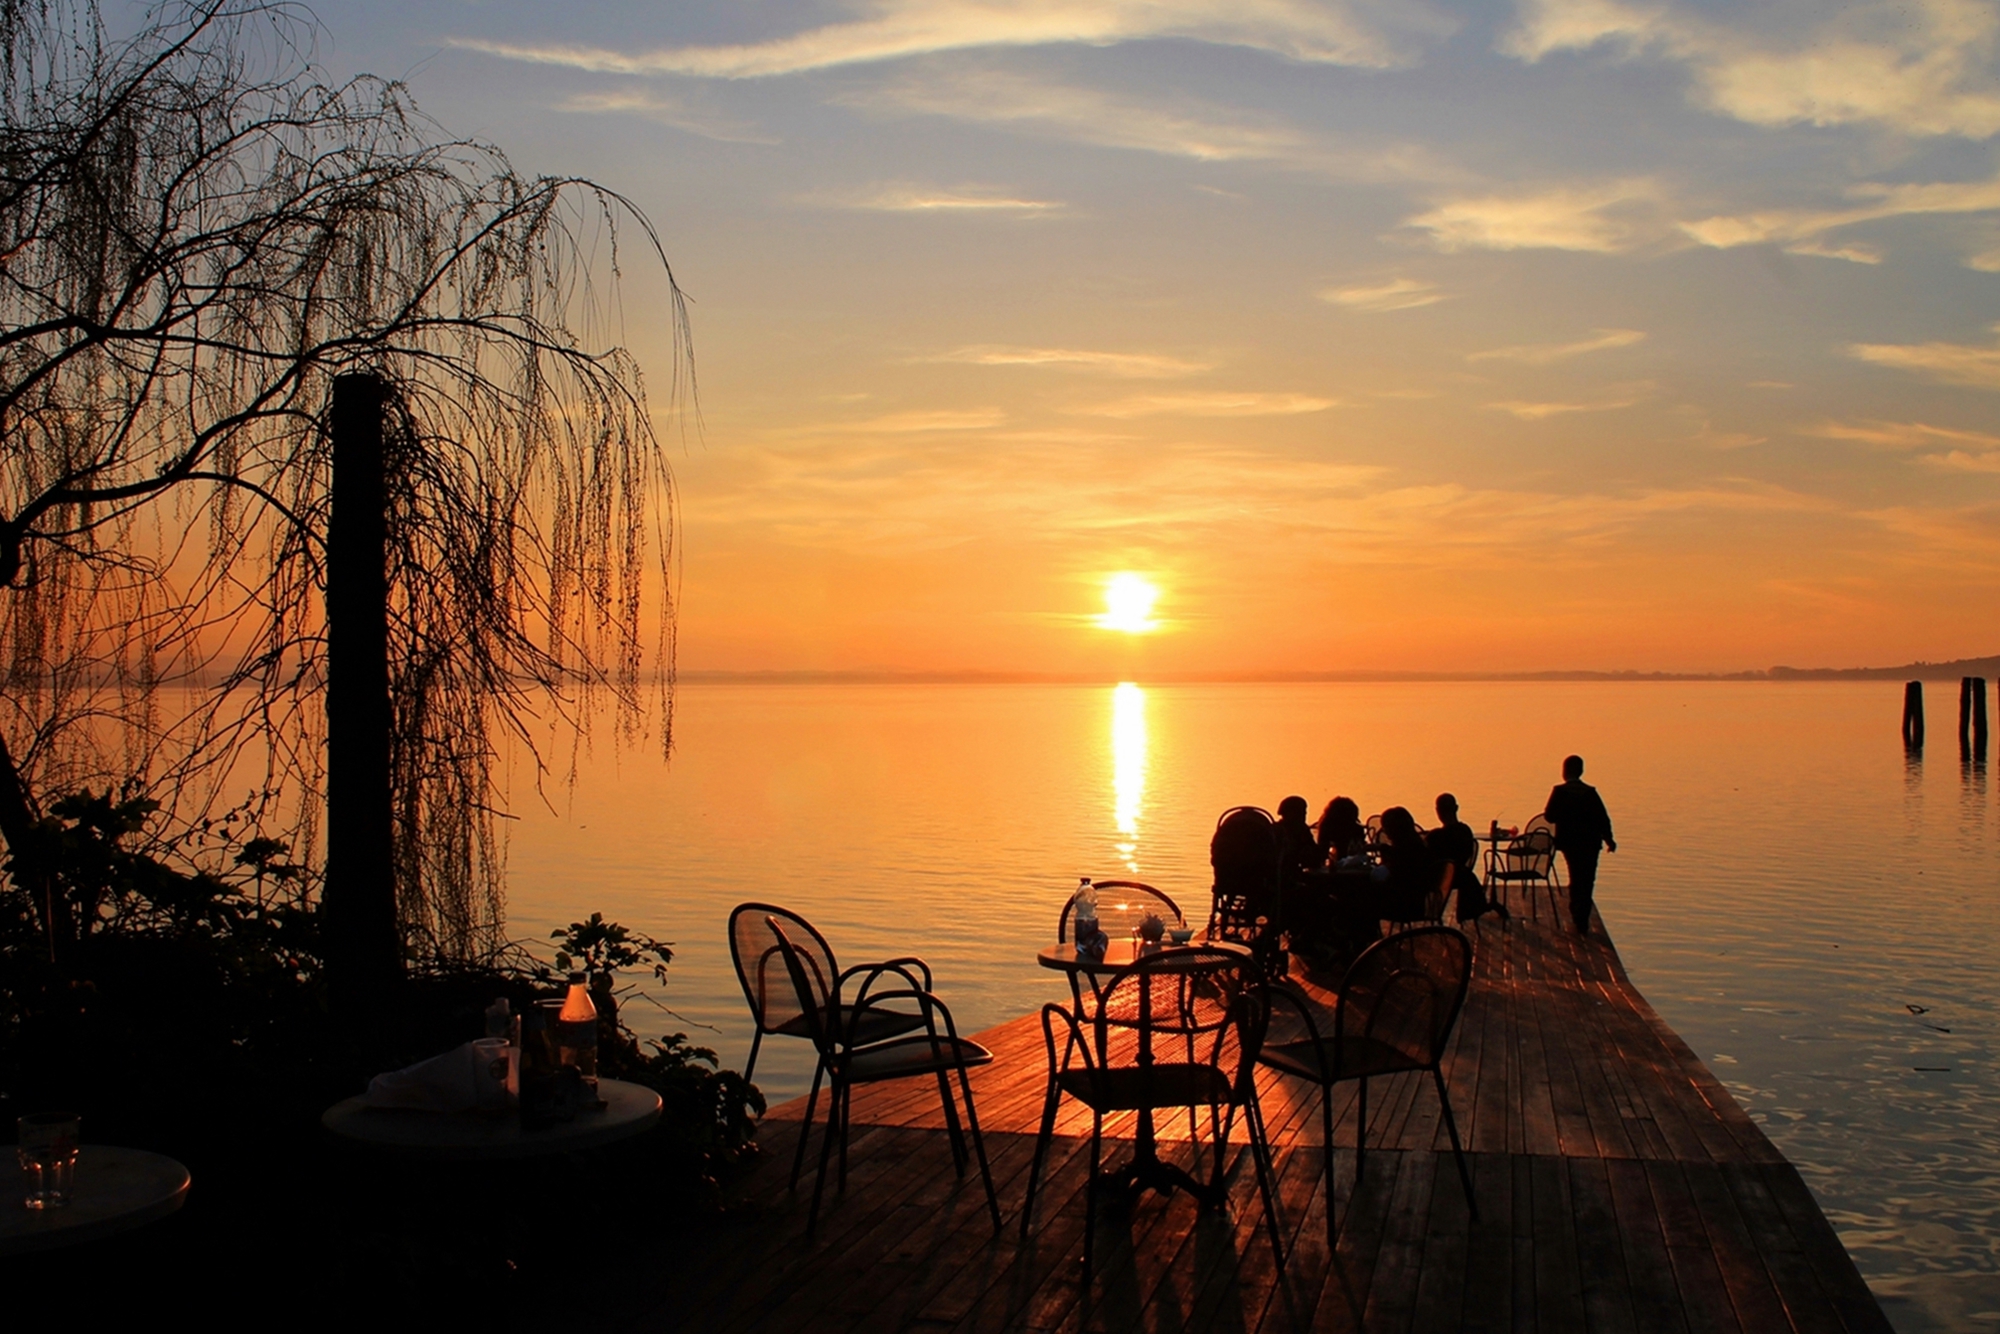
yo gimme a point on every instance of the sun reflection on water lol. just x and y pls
(1128, 767)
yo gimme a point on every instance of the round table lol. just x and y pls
(630, 1109)
(114, 1189)
(1122, 954)
(1146, 1170)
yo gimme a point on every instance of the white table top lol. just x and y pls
(115, 1189)
(632, 1110)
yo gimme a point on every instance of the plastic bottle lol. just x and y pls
(538, 1071)
(576, 1031)
(1085, 916)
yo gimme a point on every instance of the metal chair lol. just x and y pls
(774, 1001)
(1394, 1013)
(1435, 900)
(848, 1063)
(1121, 906)
(1528, 859)
(1555, 866)
(1246, 903)
(1209, 1001)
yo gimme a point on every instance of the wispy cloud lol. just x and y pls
(1922, 67)
(661, 109)
(1959, 460)
(1950, 363)
(1180, 127)
(1608, 218)
(915, 422)
(1800, 230)
(1378, 298)
(1534, 412)
(1338, 33)
(1547, 354)
(1214, 404)
(903, 197)
(1902, 435)
(1128, 365)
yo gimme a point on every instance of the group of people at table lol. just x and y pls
(1340, 880)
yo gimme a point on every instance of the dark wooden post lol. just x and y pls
(1913, 716)
(1979, 736)
(363, 945)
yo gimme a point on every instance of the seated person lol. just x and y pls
(1340, 830)
(1412, 871)
(1453, 841)
(1297, 852)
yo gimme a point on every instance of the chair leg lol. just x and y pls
(805, 1126)
(1041, 1148)
(1361, 1131)
(1326, 1138)
(1260, 1153)
(958, 1154)
(846, 1108)
(1458, 1152)
(834, 1130)
(1090, 1193)
(750, 1066)
(979, 1146)
(1222, 1144)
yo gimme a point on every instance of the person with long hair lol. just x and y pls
(1340, 830)
(1413, 869)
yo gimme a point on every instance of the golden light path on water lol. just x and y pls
(1128, 768)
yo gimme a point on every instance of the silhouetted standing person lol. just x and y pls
(1582, 827)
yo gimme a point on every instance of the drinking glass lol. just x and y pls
(47, 1150)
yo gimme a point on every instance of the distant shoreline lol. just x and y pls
(1918, 671)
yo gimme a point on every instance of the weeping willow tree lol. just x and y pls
(197, 236)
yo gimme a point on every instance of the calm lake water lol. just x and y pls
(1816, 916)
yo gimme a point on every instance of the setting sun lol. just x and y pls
(1128, 605)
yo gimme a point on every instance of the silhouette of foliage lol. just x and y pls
(197, 234)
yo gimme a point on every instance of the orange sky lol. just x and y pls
(1456, 337)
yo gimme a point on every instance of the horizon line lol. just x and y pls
(1938, 671)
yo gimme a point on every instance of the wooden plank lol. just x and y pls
(1558, 1279)
(1392, 1292)
(1441, 1279)
(1751, 1290)
(1600, 1258)
(1706, 1305)
(1839, 1279)
(1805, 1301)
(1621, 1189)
(1487, 1302)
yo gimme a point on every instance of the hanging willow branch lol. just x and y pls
(196, 235)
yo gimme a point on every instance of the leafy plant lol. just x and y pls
(598, 946)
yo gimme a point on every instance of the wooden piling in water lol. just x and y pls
(1979, 735)
(1913, 716)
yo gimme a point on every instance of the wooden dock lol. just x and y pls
(1620, 1188)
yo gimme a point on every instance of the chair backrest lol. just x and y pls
(1121, 906)
(1372, 826)
(755, 947)
(1531, 854)
(1245, 844)
(812, 991)
(1244, 854)
(1539, 822)
(1207, 1004)
(1405, 991)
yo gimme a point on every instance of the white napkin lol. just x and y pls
(457, 1081)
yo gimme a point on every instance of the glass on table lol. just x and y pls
(46, 1146)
